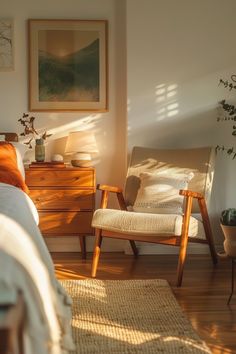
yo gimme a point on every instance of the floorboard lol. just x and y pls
(203, 295)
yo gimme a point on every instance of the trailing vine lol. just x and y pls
(230, 115)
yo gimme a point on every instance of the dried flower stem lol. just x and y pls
(28, 123)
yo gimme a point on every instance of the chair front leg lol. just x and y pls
(207, 228)
(96, 253)
(134, 248)
(82, 241)
(184, 240)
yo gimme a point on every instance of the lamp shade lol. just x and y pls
(81, 144)
(81, 141)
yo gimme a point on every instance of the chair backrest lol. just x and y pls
(200, 161)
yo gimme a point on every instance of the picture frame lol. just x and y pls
(68, 65)
(6, 44)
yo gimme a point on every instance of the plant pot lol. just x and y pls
(230, 240)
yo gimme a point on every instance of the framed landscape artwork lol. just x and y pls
(6, 45)
(68, 65)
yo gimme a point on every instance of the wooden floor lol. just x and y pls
(203, 295)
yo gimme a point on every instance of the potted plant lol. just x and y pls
(228, 225)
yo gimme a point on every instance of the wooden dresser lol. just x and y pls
(65, 199)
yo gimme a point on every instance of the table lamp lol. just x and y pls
(81, 144)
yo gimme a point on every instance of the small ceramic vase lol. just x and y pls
(39, 150)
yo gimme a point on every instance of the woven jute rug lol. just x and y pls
(129, 316)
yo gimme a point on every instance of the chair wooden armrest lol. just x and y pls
(188, 193)
(205, 217)
(105, 195)
(112, 189)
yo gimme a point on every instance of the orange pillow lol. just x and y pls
(9, 172)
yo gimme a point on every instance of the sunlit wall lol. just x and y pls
(176, 53)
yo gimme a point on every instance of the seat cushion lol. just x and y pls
(132, 223)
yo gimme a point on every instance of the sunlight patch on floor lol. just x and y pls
(129, 335)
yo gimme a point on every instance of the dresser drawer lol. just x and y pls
(60, 178)
(62, 199)
(65, 223)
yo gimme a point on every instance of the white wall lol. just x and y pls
(110, 127)
(176, 53)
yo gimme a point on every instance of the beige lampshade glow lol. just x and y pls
(81, 141)
(81, 144)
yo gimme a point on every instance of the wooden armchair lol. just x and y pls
(164, 228)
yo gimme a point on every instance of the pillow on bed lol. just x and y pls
(159, 193)
(9, 171)
(20, 153)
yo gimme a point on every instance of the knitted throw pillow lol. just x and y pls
(159, 193)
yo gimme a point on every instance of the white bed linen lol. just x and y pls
(26, 265)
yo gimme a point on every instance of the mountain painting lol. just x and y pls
(68, 66)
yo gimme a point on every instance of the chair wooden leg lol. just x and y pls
(181, 261)
(96, 252)
(134, 248)
(82, 241)
(208, 231)
(184, 240)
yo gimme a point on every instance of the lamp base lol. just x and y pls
(81, 160)
(81, 163)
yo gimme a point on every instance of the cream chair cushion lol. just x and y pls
(134, 223)
(200, 161)
(159, 193)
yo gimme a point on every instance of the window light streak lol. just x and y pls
(84, 123)
(162, 110)
(172, 106)
(171, 94)
(160, 86)
(128, 105)
(188, 342)
(160, 99)
(160, 91)
(65, 275)
(172, 113)
(115, 330)
(164, 94)
(172, 87)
